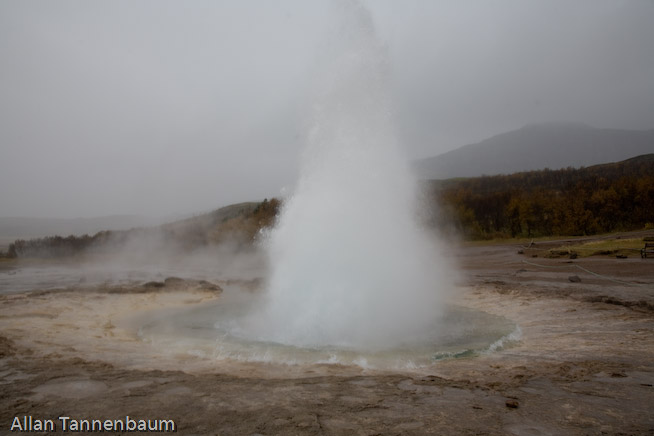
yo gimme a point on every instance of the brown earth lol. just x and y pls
(583, 366)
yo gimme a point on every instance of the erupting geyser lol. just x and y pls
(350, 265)
(353, 276)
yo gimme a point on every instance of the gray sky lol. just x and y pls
(158, 107)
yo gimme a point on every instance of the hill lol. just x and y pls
(535, 147)
(237, 224)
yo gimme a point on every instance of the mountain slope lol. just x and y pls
(533, 147)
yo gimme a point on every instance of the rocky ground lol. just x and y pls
(583, 366)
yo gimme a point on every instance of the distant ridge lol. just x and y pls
(12, 228)
(239, 225)
(538, 146)
(28, 227)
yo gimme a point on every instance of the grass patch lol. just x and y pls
(515, 241)
(604, 247)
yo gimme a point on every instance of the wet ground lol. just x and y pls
(584, 364)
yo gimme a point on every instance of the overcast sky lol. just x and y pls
(164, 107)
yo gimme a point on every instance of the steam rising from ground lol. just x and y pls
(350, 265)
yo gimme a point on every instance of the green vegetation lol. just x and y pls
(604, 247)
(587, 201)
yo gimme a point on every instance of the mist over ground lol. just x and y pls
(159, 107)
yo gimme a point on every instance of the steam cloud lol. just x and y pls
(350, 265)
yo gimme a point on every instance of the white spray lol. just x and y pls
(350, 265)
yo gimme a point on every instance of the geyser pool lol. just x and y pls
(211, 332)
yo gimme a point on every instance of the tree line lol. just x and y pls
(571, 202)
